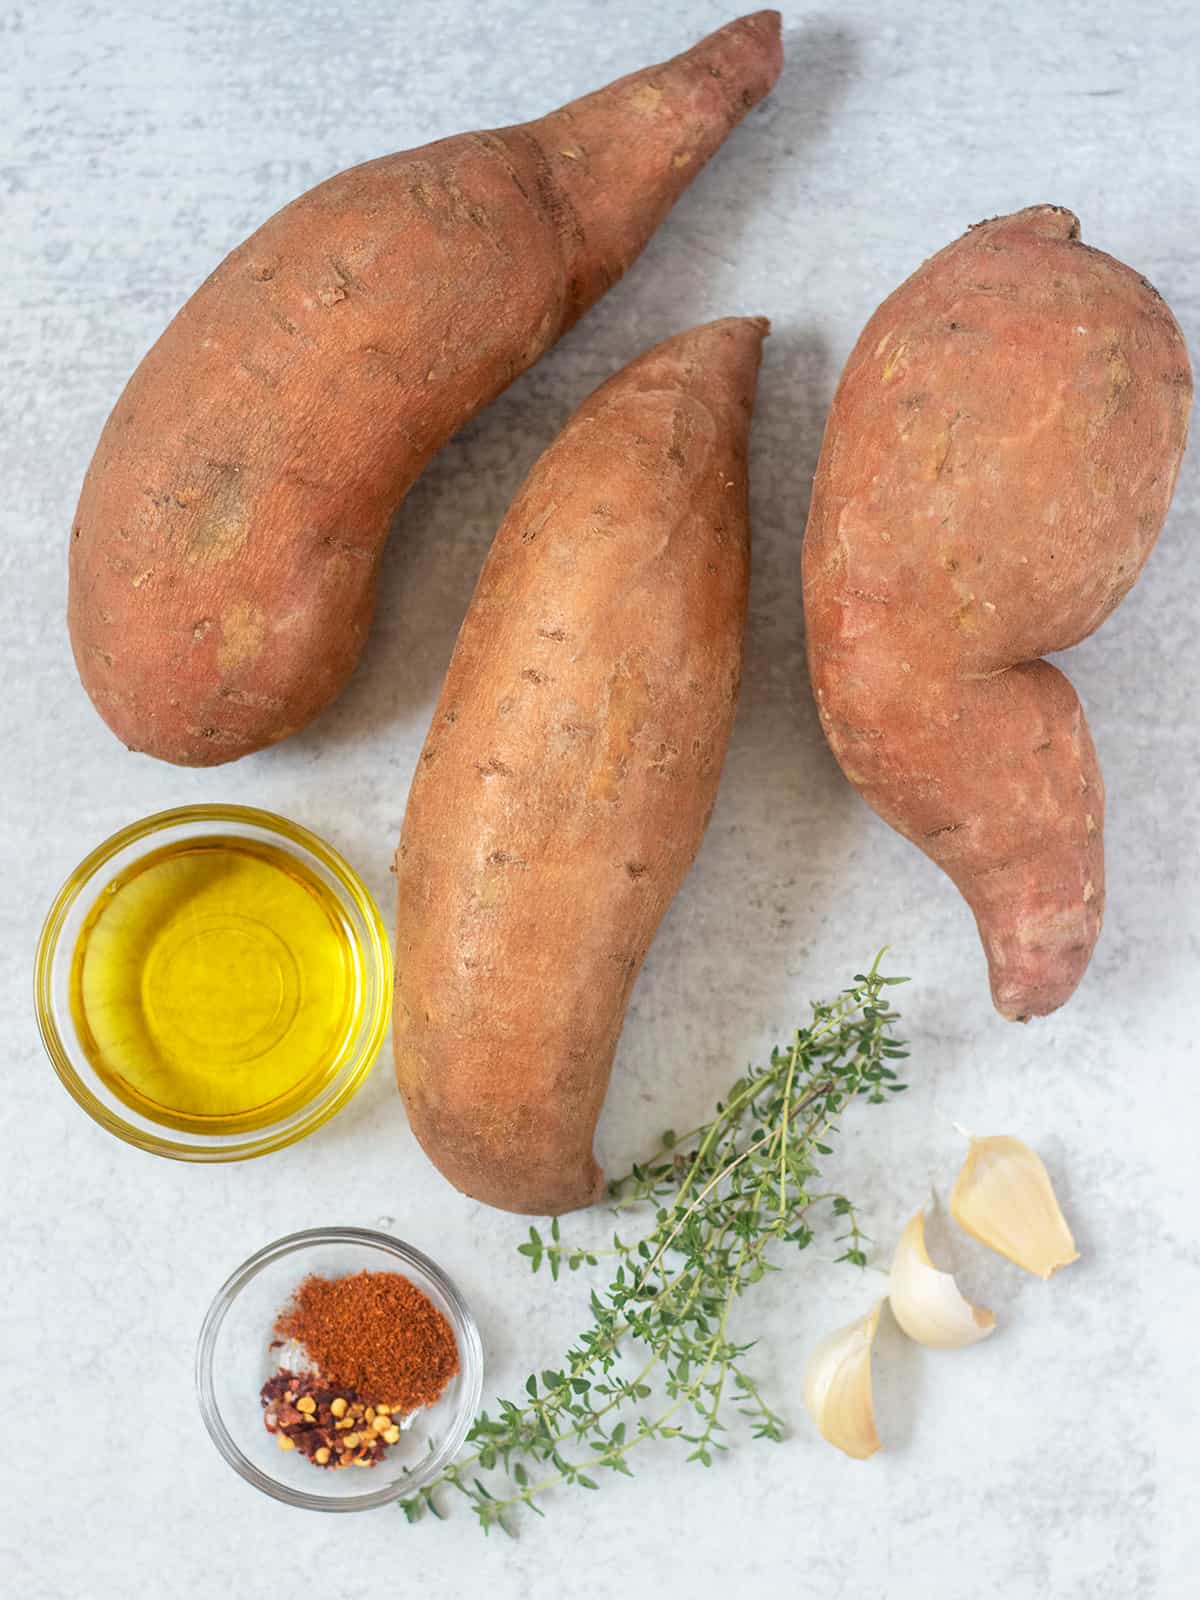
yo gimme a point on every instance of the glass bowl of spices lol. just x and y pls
(339, 1369)
(212, 983)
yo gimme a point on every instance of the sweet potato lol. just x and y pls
(570, 769)
(224, 553)
(1002, 449)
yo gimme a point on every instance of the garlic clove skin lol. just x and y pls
(1004, 1198)
(927, 1303)
(837, 1387)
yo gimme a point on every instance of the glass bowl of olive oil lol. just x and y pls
(213, 982)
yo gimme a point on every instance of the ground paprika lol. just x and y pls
(374, 1333)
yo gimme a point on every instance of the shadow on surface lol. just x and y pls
(896, 1383)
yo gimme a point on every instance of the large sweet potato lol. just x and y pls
(224, 552)
(570, 769)
(999, 459)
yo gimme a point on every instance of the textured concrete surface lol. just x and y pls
(138, 142)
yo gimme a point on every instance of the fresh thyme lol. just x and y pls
(659, 1361)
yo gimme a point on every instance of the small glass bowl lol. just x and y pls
(234, 1360)
(52, 978)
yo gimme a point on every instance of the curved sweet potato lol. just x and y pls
(224, 552)
(570, 769)
(999, 459)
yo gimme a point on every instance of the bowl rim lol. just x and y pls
(48, 944)
(467, 1337)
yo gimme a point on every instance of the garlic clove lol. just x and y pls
(837, 1387)
(1004, 1198)
(927, 1303)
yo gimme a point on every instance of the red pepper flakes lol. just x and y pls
(331, 1427)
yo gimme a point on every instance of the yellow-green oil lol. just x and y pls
(214, 985)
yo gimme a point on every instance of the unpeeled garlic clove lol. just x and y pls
(927, 1303)
(837, 1387)
(1004, 1198)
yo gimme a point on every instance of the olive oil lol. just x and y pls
(215, 985)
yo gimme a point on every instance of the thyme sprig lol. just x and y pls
(660, 1361)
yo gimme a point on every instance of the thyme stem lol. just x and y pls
(746, 1186)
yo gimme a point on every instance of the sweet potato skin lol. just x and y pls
(570, 770)
(998, 462)
(223, 556)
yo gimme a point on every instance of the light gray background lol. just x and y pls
(138, 143)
